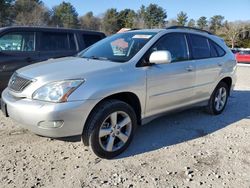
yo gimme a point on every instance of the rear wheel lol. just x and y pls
(110, 128)
(218, 99)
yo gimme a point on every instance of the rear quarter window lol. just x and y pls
(218, 50)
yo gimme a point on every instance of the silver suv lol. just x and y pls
(120, 82)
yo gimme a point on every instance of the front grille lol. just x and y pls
(18, 83)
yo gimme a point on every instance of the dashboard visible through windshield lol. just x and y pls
(119, 47)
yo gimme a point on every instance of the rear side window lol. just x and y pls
(18, 41)
(200, 47)
(176, 44)
(53, 41)
(218, 50)
(90, 39)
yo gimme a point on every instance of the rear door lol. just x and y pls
(53, 44)
(208, 61)
(17, 49)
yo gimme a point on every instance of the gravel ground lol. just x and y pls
(186, 149)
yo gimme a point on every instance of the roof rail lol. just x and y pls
(191, 28)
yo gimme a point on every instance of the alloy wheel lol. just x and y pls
(220, 99)
(115, 131)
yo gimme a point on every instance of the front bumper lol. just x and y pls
(30, 113)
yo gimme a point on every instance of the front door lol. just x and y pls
(170, 86)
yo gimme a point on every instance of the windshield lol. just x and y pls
(119, 47)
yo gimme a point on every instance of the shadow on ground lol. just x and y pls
(183, 126)
(187, 125)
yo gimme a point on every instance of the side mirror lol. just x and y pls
(160, 57)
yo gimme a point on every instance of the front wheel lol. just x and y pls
(218, 99)
(111, 128)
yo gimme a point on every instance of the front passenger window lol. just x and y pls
(176, 44)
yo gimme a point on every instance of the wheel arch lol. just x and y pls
(131, 99)
(228, 80)
(127, 97)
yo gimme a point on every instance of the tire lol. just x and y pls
(110, 128)
(218, 99)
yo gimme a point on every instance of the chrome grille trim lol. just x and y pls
(18, 83)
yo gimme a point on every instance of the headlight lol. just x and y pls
(56, 91)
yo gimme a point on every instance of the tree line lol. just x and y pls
(35, 13)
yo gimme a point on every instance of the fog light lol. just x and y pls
(50, 124)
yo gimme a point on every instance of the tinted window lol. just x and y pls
(219, 50)
(176, 44)
(57, 41)
(90, 39)
(200, 47)
(18, 41)
(213, 50)
(216, 50)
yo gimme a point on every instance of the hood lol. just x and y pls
(65, 68)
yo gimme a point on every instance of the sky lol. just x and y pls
(232, 10)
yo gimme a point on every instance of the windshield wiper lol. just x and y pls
(95, 57)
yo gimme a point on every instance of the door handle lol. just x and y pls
(189, 68)
(219, 64)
